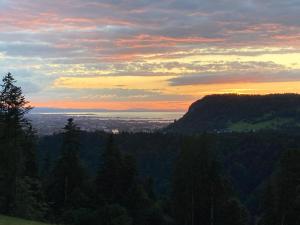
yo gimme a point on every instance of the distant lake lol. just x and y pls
(48, 122)
(165, 117)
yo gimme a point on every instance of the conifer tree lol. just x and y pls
(234, 213)
(13, 108)
(149, 188)
(30, 167)
(117, 174)
(108, 180)
(200, 192)
(68, 175)
(20, 187)
(282, 198)
(288, 185)
(117, 183)
(269, 205)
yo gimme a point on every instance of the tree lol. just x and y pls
(269, 205)
(282, 198)
(108, 177)
(149, 188)
(30, 201)
(200, 192)
(117, 174)
(234, 213)
(30, 167)
(14, 128)
(68, 175)
(288, 183)
(113, 214)
(117, 183)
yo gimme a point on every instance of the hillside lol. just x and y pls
(240, 113)
(5, 220)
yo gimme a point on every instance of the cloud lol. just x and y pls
(107, 94)
(185, 42)
(225, 78)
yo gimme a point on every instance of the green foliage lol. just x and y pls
(30, 202)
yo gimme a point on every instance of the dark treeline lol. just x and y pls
(96, 178)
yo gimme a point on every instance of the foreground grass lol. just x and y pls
(5, 220)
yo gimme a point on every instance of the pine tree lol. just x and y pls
(108, 180)
(288, 183)
(200, 192)
(282, 202)
(13, 108)
(20, 186)
(117, 183)
(30, 167)
(68, 175)
(234, 213)
(269, 205)
(149, 188)
(117, 175)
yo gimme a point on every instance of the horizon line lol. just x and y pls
(62, 109)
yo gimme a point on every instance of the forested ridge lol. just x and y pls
(184, 178)
(240, 113)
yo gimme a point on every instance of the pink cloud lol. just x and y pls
(145, 40)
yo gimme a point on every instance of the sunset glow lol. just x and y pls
(160, 55)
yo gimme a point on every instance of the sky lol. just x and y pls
(150, 54)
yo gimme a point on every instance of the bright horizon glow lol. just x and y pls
(159, 55)
(157, 106)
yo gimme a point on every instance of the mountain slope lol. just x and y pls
(231, 112)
